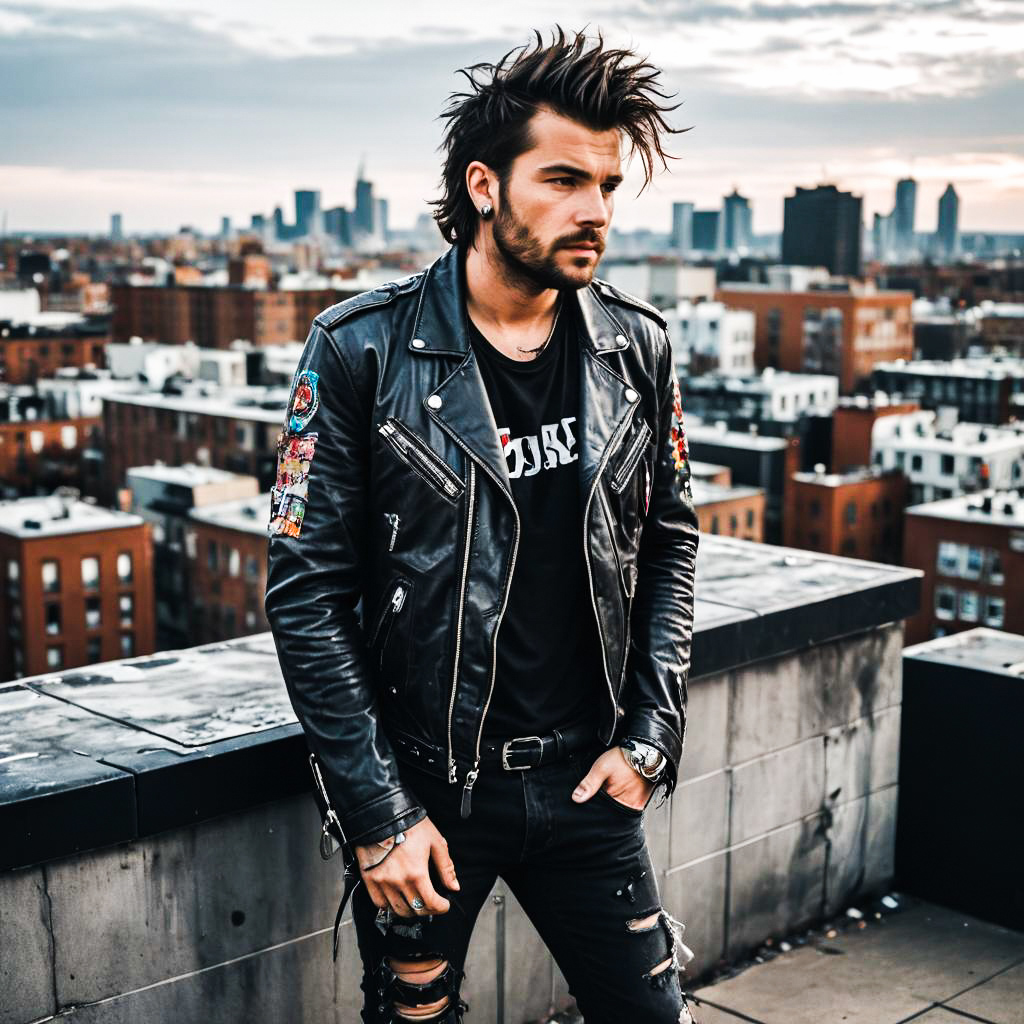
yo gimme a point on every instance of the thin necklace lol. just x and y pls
(540, 348)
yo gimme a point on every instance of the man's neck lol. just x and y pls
(510, 310)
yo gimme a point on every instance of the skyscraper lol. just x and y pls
(115, 227)
(382, 219)
(949, 223)
(737, 222)
(308, 220)
(364, 217)
(822, 228)
(225, 227)
(707, 230)
(903, 217)
(682, 226)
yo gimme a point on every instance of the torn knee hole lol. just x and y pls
(420, 1012)
(418, 988)
(418, 971)
(644, 924)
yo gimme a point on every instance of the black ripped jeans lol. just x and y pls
(581, 872)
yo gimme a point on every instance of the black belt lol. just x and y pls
(521, 752)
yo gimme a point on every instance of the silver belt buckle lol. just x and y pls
(504, 753)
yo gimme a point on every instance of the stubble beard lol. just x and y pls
(527, 260)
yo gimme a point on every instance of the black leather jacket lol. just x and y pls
(394, 537)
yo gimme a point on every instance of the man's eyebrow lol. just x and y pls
(577, 172)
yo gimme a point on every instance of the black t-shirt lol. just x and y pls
(549, 672)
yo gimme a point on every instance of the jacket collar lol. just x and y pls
(460, 403)
(440, 323)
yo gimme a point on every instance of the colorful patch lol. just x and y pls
(288, 498)
(680, 447)
(305, 400)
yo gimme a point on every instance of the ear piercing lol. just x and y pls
(486, 210)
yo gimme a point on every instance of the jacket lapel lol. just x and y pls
(465, 410)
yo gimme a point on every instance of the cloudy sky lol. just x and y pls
(174, 115)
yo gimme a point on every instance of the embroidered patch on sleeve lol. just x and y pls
(680, 447)
(288, 498)
(305, 400)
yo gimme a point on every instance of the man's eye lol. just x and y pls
(564, 181)
(609, 188)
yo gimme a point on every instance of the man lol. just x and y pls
(487, 460)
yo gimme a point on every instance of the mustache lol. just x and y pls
(590, 238)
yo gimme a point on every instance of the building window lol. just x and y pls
(54, 657)
(733, 525)
(995, 609)
(91, 573)
(969, 604)
(92, 613)
(750, 518)
(124, 567)
(994, 570)
(975, 561)
(814, 508)
(250, 620)
(51, 577)
(211, 556)
(948, 465)
(127, 645)
(849, 546)
(252, 567)
(52, 618)
(13, 578)
(945, 603)
(948, 561)
(234, 562)
(916, 462)
(127, 606)
(714, 524)
(93, 650)
(851, 512)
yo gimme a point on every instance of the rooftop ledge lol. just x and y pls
(114, 752)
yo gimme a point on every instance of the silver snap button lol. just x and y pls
(631, 395)
(434, 401)
(620, 339)
(418, 343)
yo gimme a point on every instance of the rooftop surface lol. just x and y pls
(968, 508)
(975, 366)
(107, 753)
(51, 517)
(187, 475)
(761, 383)
(708, 433)
(707, 493)
(855, 476)
(979, 648)
(915, 962)
(259, 404)
(250, 515)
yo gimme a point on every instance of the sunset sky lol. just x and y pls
(172, 115)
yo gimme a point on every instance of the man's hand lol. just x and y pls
(405, 873)
(612, 772)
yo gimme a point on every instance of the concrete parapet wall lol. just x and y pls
(786, 810)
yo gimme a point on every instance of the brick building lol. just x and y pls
(165, 496)
(853, 424)
(228, 552)
(971, 550)
(234, 429)
(844, 333)
(77, 588)
(729, 510)
(858, 514)
(214, 317)
(41, 345)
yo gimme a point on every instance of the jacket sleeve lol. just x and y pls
(658, 664)
(314, 581)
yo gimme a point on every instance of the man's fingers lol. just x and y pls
(443, 862)
(376, 893)
(432, 902)
(589, 785)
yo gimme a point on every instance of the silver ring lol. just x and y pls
(417, 903)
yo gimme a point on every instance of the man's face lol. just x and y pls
(555, 205)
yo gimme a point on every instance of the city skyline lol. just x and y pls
(170, 116)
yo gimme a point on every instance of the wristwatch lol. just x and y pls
(646, 760)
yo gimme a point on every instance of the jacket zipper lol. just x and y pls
(636, 449)
(415, 455)
(471, 775)
(393, 520)
(393, 607)
(590, 575)
(452, 774)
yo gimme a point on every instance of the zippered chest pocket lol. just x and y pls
(422, 459)
(625, 466)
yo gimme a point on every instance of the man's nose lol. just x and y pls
(592, 209)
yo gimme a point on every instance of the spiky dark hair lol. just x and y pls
(598, 87)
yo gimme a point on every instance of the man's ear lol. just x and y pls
(482, 185)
